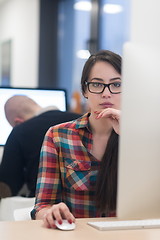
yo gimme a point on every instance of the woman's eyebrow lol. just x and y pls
(115, 78)
(99, 79)
(111, 79)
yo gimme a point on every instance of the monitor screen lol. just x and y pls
(44, 97)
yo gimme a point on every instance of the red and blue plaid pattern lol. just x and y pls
(67, 170)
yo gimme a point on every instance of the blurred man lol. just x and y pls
(20, 158)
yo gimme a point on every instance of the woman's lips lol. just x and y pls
(106, 105)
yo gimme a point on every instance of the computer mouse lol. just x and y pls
(65, 225)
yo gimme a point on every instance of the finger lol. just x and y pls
(68, 215)
(103, 114)
(104, 111)
(48, 222)
(114, 117)
(112, 113)
(65, 212)
(51, 220)
(57, 213)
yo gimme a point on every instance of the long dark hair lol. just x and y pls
(106, 185)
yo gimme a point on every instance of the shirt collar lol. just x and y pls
(83, 121)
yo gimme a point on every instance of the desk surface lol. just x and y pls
(28, 230)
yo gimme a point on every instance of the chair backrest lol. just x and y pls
(9, 208)
(22, 214)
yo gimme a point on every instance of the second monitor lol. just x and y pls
(44, 97)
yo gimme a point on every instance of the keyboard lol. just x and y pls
(126, 224)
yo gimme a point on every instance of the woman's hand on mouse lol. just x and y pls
(113, 115)
(57, 212)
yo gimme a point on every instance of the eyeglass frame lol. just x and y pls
(104, 86)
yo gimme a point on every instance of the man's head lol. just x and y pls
(20, 108)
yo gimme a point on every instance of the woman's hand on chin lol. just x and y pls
(113, 115)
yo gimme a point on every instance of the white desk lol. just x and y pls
(28, 230)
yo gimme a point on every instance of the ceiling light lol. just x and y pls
(83, 6)
(112, 8)
(83, 54)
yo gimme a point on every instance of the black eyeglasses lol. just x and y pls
(97, 87)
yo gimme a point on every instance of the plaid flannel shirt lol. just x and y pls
(67, 170)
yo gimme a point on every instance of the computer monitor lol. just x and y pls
(139, 149)
(44, 97)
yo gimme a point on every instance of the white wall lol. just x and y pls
(19, 22)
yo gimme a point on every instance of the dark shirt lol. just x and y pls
(20, 159)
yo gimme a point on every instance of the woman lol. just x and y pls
(78, 166)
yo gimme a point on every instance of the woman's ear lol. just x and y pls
(85, 95)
